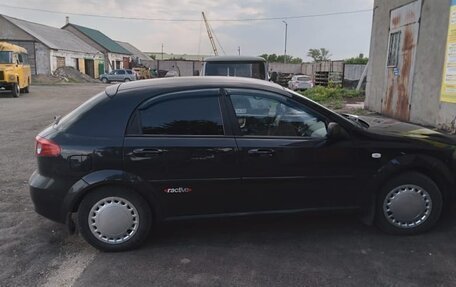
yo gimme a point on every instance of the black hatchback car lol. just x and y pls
(157, 150)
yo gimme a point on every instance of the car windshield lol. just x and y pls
(6, 57)
(353, 120)
(245, 69)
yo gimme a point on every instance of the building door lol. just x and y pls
(403, 36)
(126, 63)
(60, 62)
(89, 67)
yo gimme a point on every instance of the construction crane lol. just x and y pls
(210, 34)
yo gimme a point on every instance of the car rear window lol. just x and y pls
(73, 116)
(129, 72)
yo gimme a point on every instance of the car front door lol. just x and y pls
(182, 148)
(120, 75)
(286, 158)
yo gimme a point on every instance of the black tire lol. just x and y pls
(15, 90)
(125, 199)
(127, 80)
(423, 193)
(27, 89)
(105, 80)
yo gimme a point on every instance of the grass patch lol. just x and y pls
(332, 97)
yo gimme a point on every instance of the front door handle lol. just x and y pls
(261, 152)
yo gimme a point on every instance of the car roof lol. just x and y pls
(234, 59)
(197, 82)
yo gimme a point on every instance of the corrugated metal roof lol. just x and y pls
(102, 40)
(52, 37)
(134, 51)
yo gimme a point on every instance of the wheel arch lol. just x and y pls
(429, 166)
(105, 178)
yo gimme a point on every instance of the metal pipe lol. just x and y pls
(286, 34)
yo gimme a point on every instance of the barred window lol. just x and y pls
(393, 50)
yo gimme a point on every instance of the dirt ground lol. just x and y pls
(299, 250)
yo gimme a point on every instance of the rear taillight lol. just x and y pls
(45, 147)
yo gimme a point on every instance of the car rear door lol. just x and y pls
(181, 146)
(287, 162)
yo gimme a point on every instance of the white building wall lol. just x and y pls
(70, 58)
(116, 57)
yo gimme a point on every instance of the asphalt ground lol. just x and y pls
(289, 250)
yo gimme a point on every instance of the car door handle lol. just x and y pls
(261, 152)
(147, 151)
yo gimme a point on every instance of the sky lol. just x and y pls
(345, 35)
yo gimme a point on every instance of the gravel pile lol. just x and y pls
(70, 74)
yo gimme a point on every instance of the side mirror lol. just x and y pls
(336, 132)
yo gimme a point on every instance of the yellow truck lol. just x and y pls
(15, 72)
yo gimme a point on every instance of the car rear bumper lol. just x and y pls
(47, 197)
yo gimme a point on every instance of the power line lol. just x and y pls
(192, 20)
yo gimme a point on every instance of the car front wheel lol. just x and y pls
(105, 80)
(408, 204)
(114, 219)
(15, 90)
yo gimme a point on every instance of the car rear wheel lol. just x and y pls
(114, 219)
(127, 80)
(15, 90)
(409, 204)
(27, 89)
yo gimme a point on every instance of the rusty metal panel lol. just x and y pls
(399, 76)
(405, 15)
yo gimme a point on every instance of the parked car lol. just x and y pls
(188, 147)
(119, 75)
(15, 71)
(300, 83)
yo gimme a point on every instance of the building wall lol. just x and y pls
(70, 59)
(43, 59)
(9, 32)
(425, 105)
(115, 57)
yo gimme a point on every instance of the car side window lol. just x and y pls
(121, 72)
(129, 72)
(196, 115)
(259, 115)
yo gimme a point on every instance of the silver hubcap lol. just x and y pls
(407, 206)
(113, 220)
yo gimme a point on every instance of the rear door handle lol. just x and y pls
(147, 151)
(261, 152)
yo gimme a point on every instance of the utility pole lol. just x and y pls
(162, 51)
(239, 50)
(286, 34)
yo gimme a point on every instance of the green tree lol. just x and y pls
(319, 55)
(360, 60)
(274, 58)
